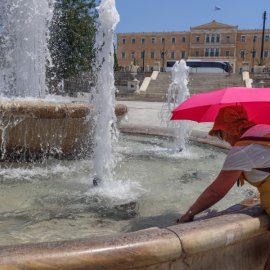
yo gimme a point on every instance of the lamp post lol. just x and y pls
(262, 47)
(253, 54)
(163, 54)
(143, 55)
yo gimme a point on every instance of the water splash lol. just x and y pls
(7, 122)
(23, 47)
(104, 93)
(177, 93)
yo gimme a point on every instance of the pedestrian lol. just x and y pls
(247, 161)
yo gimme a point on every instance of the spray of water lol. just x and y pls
(104, 93)
(23, 47)
(177, 93)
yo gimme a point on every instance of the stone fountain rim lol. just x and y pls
(143, 248)
(44, 109)
(50, 109)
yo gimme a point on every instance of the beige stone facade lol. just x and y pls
(214, 41)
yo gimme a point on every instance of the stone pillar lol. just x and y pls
(134, 85)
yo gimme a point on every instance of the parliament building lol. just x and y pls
(214, 41)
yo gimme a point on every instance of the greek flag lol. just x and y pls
(217, 8)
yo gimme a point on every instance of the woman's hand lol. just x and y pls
(212, 194)
(187, 217)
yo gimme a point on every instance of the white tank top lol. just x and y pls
(246, 158)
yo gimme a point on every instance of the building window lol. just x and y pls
(162, 40)
(214, 38)
(228, 39)
(133, 40)
(172, 55)
(265, 54)
(242, 54)
(197, 53)
(143, 40)
(173, 40)
(152, 55)
(197, 39)
(123, 55)
(183, 54)
(153, 40)
(255, 38)
(266, 38)
(183, 39)
(212, 52)
(123, 41)
(243, 38)
(133, 55)
(227, 53)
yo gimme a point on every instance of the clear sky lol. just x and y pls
(180, 15)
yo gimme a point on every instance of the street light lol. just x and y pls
(263, 31)
(143, 55)
(253, 52)
(163, 52)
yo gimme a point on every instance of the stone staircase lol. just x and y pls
(198, 83)
(158, 88)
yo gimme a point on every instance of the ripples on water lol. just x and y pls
(56, 200)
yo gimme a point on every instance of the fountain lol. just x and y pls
(33, 124)
(53, 218)
(28, 119)
(177, 93)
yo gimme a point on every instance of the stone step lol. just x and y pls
(198, 83)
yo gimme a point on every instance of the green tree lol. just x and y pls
(72, 39)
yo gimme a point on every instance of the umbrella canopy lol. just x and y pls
(204, 107)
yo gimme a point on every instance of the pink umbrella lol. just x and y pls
(204, 107)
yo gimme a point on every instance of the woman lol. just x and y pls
(248, 159)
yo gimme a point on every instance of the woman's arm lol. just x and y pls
(212, 194)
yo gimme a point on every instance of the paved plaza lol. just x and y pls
(144, 117)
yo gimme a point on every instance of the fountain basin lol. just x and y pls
(237, 240)
(33, 129)
(206, 242)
